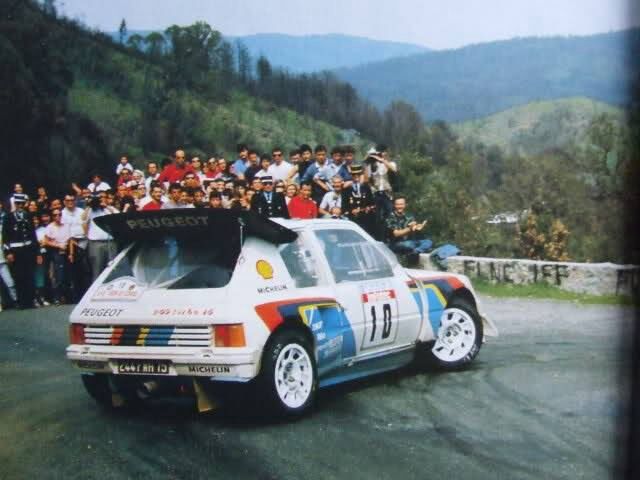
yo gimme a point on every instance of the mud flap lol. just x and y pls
(205, 402)
(489, 328)
(117, 400)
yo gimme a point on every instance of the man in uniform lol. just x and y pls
(21, 249)
(5, 273)
(269, 203)
(357, 201)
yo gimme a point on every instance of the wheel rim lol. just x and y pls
(456, 336)
(293, 375)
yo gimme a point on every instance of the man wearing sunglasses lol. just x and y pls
(280, 168)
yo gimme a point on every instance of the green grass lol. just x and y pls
(546, 291)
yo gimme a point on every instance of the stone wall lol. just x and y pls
(589, 278)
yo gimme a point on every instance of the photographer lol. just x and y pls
(403, 230)
(102, 248)
(378, 170)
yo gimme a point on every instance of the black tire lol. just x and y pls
(458, 342)
(98, 387)
(288, 343)
(102, 387)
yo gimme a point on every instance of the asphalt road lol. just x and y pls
(544, 400)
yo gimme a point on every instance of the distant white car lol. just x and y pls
(202, 297)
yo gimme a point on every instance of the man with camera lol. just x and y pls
(102, 249)
(378, 170)
(403, 230)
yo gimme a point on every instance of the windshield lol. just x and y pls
(174, 263)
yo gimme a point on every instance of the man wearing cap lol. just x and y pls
(269, 203)
(5, 272)
(357, 201)
(20, 246)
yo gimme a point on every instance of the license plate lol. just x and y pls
(142, 367)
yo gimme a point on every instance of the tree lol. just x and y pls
(244, 63)
(49, 7)
(263, 69)
(226, 60)
(155, 43)
(402, 125)
(122, 31)
(135, 41)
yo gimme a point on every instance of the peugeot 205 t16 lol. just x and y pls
(199, 299)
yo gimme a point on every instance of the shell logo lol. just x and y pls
(264, 269)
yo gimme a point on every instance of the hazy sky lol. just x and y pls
(433, 23)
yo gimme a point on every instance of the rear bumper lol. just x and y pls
(221, 364)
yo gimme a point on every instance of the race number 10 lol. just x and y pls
(386, 318)
(380, 318)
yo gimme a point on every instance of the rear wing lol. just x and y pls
(191, 222)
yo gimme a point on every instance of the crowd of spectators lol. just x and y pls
(52, 249)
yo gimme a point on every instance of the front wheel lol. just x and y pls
(459, 337)
(288, 377)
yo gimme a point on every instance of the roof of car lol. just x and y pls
(298, 223)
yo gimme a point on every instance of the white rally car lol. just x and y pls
(197, 298)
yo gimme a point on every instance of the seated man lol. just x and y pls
(402, 230)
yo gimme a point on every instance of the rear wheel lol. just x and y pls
(459, 337)
(108, 393)
(288, 375)
(98, 387)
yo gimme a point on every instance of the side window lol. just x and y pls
(351, 257)
(300, 263)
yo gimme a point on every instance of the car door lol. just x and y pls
(377, 299)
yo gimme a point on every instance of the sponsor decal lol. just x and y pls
(101, 312)
(275, 288)
(183, 312)
(264, 269)
(121, 289)
(167, 222)
(209, 369)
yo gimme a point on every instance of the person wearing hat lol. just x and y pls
(358, 204)
(269, 203)
(21, 250)
(5, 272)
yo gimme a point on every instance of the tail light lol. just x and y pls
(230, 335)
(76, 334)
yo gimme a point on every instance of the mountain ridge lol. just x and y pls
(481, 79)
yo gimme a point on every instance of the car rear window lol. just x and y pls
(174, 263)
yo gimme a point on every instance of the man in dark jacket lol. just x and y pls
(358, 204)
(21, 249)
(269, 203)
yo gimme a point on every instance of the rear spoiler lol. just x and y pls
(192, 222)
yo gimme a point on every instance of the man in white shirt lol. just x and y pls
(97, 185)
(332, 198)
(102, 249)
(79, 268)
(152, 174)
(57, 237)
(280, 168)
